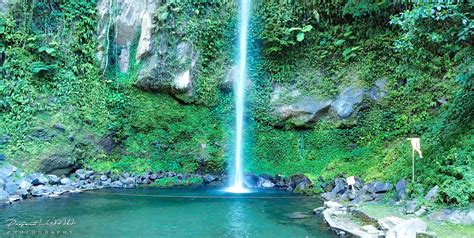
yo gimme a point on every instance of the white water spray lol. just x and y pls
(237, 180)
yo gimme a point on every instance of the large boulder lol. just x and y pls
(378, 90)
(177, 80)
(381, 187)
(11, 187)
(407, 229)
(299, 181)
(57, 164)
(432, 194)
(265, 183)
(304, 112)
(401, 189)
(5, 172)
(346, 102)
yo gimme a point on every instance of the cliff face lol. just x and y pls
(135, 32)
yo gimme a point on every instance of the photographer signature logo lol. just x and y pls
(49, 222)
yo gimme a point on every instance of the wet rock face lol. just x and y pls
(304, 112)
(299, 110)
(4, 6)
(347, 101)
(57, 164)
(298, 183)
(134, 17)
(158, 74)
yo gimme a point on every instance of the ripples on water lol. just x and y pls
(172, 212)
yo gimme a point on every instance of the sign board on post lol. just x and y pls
(415, 146)
(351, 181)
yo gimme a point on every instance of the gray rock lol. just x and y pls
(408, 228)
(456, 216)
(128, 180)
(328, 196)
(57, 164)
(380, 187)
(388, 223)
(89, 173)
(432, 194)
(170, 174)
(296, 179)
(24, 193)
(41, 190)
(106, 184)
(410, 207)
(265, 183)
(401, 189)
(53, 179)
(38, 179)
(318, 210)
(11, 187)
(327, 186)
(379, 90)
(124, 59)
(5, 172)
(422, 211)
(24, 184)
(340, 187)
(81, 174)
(347, 101)
(153, 176)
(103, 177)
(279, 181)
(3, 195)
(303, 113)
(209, 178)
(369, 187)
(65, 181)
(302, 187)
(14, 198)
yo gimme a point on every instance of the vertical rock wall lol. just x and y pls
(125, 19)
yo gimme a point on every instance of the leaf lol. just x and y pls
(295, 29)
(300, 37)
(339, 42)
(316, 15)
(347, 51)
(37, 67)
(307, 28)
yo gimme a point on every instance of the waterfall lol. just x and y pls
(237, 179)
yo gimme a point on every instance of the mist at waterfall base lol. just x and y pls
(237, 177)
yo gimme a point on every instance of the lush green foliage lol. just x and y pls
(426, 58)
(50, 77)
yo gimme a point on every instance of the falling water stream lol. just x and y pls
(237, 181)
